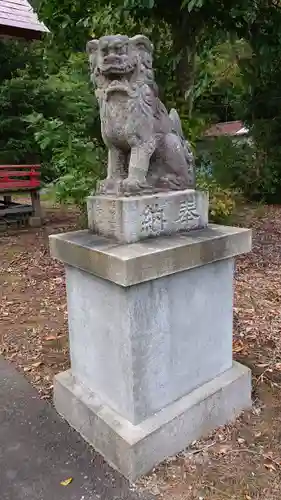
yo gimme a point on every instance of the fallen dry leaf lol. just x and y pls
(66, 482)
(35, 282)
(270, 467)
(50, 338)
(37, 364)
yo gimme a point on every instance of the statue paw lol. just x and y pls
(131, 185)
(109, 185)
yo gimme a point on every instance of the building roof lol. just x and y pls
(227, 129)
(18, 19)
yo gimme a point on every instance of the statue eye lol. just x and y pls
(119, 49)
(105, 50)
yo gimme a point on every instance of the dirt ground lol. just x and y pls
(240, 461)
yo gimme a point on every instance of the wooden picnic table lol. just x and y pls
(20, 179)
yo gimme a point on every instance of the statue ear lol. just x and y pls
(141, 42)
(92, 50)
(92, 46)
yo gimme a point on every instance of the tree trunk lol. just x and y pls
(185, 46)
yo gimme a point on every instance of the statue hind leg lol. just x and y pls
(177, 165)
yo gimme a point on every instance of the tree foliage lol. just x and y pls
(215, 60)
(48, 117)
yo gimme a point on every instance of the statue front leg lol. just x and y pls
(116, 171)
(116, 164)
(138, 166)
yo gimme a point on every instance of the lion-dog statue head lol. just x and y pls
(118, 62)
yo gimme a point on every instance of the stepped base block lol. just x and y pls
(135, 218)
(135, 449)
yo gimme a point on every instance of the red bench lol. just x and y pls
(16, 179)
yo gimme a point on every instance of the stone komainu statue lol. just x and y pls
(146, 147)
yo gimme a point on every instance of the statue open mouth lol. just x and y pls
(112, 71)
(121, 85)
(119, 79)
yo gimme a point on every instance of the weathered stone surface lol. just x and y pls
(129, 264)
(146, 147)
(150, 327)
(151, 336)
(135, 449)
(134, 218)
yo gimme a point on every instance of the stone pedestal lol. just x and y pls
(150, 326)
(134, 218)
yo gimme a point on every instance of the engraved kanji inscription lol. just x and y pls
(153, 219)
(187, 211)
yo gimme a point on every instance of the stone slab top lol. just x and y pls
(129, 264)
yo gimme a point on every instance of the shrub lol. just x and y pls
(222, 200)
(238, 165)
(231, 161)
(76, 160)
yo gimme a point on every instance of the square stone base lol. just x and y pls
(135, 449)
(134, 218)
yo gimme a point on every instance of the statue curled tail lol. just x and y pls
(189, 156)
